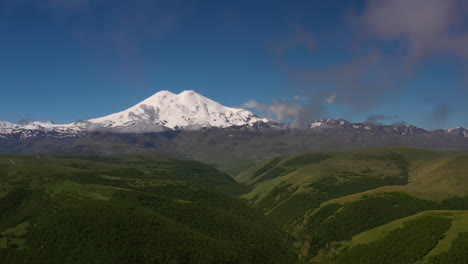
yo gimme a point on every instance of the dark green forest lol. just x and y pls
(402, 246)
(75, 208)
(145, 216)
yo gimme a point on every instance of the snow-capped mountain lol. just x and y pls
(164, 110)
(343, 126)
(187, 110)
(7, 125)
(189, 120)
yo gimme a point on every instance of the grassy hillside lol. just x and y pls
(458, 225)
(328, 200)
(381, 205)
(132, 209)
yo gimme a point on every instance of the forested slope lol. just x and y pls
(325, 199)
(133, 209)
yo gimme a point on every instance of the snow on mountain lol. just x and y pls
(164, 110)
(461, 131)
(344, 126)
(327, 123)
(7, 125)
(188, 110)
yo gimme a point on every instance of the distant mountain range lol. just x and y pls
(193, 125)
(403, 130)
(188, 110)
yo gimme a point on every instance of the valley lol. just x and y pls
(314, 207)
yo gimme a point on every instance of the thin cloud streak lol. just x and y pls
(300, 114)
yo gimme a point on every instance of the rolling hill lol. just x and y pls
(68, 208)
(327, 199)
(378, 205)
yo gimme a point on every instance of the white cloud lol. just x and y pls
(330, 99)
(299, 98)
(279, 109)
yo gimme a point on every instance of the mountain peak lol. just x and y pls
(189, 92)
(187, 109)
(164, 93)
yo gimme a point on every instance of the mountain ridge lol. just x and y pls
(189, 110)
(191, 124)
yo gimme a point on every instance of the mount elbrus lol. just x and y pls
(166, 121)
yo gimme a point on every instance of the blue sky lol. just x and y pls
(65, 60)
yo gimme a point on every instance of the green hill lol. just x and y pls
(326, 199)
(381, 205)
(131, 209)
